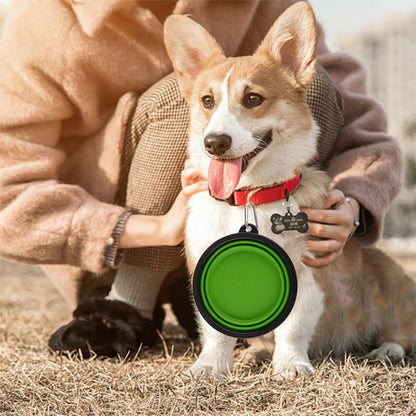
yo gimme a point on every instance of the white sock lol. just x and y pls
(138, 287)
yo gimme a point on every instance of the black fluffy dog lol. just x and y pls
(110, 328)
(106, 328)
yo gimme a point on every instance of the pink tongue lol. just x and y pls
(223, 177)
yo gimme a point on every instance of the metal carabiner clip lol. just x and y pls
(253, 206)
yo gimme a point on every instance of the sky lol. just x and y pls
(341, 17)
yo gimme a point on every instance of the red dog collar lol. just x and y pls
(265, 195)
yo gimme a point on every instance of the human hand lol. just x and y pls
(333, 226)
(173, 222)
(168, 229)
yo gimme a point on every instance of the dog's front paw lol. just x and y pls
(389, 351)
(199, 370)
(257, 353)
(292, 370)
(203, 368)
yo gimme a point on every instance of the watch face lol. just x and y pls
(245, 285)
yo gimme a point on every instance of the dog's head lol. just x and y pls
(250, 124)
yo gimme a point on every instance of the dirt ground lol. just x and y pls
(33, 382)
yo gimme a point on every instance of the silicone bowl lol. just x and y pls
(245, 285)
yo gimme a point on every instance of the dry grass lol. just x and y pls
(32, 382)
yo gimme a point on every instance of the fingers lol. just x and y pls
(323, 260)
(189, 176)
(194, 188)
(334, 198)
(324, 246)
(328, 246)
(331, 228)
(325, 216)
(326, 249)
(187, 164)
(191, 180)
(332, 231)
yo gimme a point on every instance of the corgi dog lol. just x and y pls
(250, 127)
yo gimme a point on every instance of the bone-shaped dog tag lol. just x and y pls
(289, 222)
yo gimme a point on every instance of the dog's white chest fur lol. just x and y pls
(210, 220)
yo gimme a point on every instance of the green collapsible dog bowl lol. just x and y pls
(245, 285)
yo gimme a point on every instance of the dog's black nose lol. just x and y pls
(217, 144)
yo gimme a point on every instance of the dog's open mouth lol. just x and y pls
(224, 174)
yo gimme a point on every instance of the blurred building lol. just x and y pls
(388, 51)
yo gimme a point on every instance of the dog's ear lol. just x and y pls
(190, 47)
(292, 42)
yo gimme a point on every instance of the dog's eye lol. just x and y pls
(208, 101)
(252, 100)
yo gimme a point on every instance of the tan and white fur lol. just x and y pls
(363, 301)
